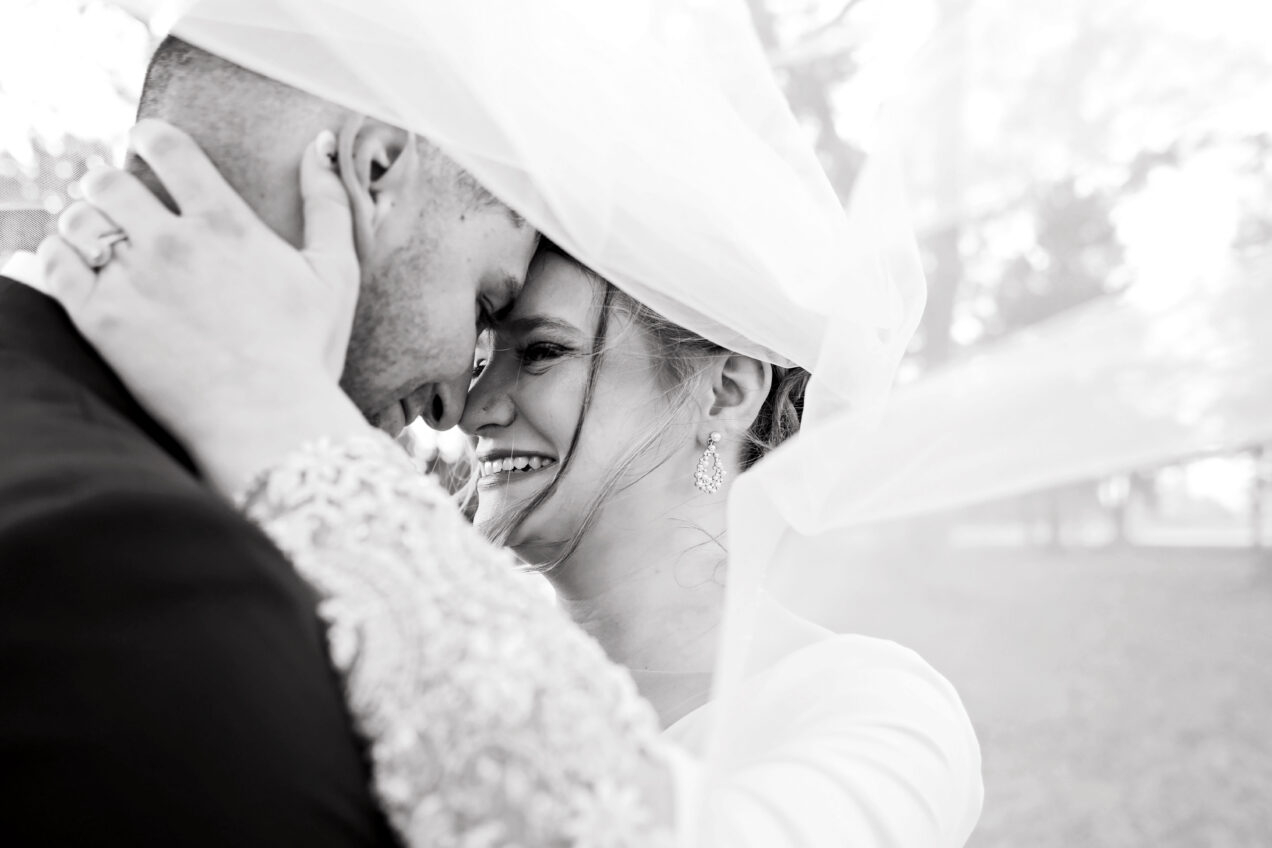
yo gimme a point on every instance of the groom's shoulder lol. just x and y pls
(57, 436)
(66, 423)
(82, 483)
(144, 620)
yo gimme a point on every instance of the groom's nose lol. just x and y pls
(443, 403)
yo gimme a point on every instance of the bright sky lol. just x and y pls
(67, 71)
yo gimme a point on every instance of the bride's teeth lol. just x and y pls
(515, 463)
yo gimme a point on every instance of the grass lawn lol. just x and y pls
(1122, 697)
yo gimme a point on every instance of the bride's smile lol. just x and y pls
(507, 466)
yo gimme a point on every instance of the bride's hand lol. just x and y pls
(233, 339)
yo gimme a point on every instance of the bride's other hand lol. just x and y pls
(232, 338)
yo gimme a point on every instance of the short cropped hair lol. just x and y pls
(176, 60)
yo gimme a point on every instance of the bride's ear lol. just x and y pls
(377, 163)
(739, 386)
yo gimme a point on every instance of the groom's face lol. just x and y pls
(447, 258)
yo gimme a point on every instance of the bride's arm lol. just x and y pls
(486, 709)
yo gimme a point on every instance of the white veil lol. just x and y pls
(649, 139)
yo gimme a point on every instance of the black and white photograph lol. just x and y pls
(636, 423)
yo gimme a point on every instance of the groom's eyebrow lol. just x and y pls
(511, 285)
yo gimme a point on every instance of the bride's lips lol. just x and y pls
(506, 466)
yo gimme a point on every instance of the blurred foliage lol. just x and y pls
(32, 192)
(1026, 136)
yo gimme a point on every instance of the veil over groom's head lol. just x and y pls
(439, 254)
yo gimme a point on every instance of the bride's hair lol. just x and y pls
(682, 357)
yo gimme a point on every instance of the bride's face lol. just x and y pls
(525, 401)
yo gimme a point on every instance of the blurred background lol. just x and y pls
(1091, 186)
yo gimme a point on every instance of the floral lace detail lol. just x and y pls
(491, 719)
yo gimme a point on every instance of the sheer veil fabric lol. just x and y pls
(649, 139)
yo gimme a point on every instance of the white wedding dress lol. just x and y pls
(491, 720)
(846, 741)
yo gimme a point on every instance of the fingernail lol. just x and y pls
(326, 145)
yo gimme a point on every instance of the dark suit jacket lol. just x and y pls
(163, 677)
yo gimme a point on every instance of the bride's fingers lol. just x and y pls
(329, 246)
(66, 277)
(125, 200)
(83, 226)
(186, 172)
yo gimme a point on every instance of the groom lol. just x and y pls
(166, 681)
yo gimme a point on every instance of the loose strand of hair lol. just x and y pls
(505, 528)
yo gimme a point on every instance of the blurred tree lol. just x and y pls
(1025, 135)
(1073, 259)
(1029, 134)
(811, 64)
(33, 192)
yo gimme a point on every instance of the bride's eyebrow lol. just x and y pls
(528, 323)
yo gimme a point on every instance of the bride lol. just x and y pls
(606, 440)
(614, 444)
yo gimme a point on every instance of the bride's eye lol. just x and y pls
(478, 367)
(543, 352)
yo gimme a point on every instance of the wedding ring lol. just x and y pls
(105, 250)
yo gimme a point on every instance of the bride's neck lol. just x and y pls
(652, 598)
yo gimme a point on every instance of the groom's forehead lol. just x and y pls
(481, 198)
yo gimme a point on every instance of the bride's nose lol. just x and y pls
(487, 405)
(444, 403)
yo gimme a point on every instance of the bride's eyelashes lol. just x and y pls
(535, 357)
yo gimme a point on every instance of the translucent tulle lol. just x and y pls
(647, 138)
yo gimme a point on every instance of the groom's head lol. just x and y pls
(437, 251)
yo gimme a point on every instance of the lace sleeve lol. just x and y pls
(490, 718)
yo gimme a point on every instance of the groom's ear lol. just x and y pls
(738, 387)
(378, 163)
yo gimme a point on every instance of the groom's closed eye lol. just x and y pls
(509, 288)
(496, 307)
